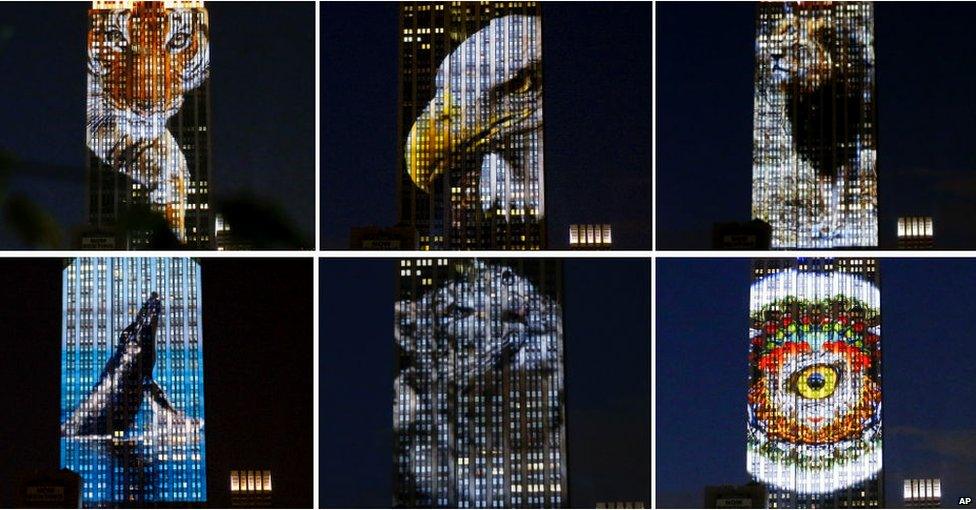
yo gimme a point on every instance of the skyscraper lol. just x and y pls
(814, 133)
(148, 118)
(470, 125)
(132, 410)
(478, 393)
(814, 400)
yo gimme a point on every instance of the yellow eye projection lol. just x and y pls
(816, 382)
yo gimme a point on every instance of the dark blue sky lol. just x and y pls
(262, 95)
(607, 332)
(929, 377)
(926, 118)
(597, 115)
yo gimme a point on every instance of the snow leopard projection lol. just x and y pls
(480, 376)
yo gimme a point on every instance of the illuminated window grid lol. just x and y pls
(452, 210)
(781, 178)
(807, 493)
(111, 193)
(100, 298)
(497, 477)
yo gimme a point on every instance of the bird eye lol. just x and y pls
(816, 382)
(179, 41)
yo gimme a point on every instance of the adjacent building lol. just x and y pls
(814, 131)
(915, 233)
(922, 493)
(149, 157)
(478, 411)
(470, 125)
(132, 402)
(250, 488)
(590, 237)
(752, 495)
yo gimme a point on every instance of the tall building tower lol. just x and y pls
(132, 410)
(148, 115)
(470, 125)
(814, 132)
(814, 398)
(478, 393)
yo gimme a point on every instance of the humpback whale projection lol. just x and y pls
(110, 408)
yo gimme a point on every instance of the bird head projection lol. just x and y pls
(477, 355)
(815, 381)
(482, 130)
(132, 417)
(814, 173)
(142, 58)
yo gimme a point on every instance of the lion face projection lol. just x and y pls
(479, 387)
(485, 122)
(815, 383)
(141, 62)
(814, 175)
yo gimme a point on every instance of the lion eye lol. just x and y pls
(179, 41)
(458, 312)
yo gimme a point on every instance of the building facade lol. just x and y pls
(814, 132)
(132, 409)
(250, 488)
(149, 162)
(922, 493)
(590, 237)
(478, 414)
(814, 400)
(470, 125)
(915, 233)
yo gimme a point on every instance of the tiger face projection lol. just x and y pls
(479, 392)
(132, 415)
(815, 381)
(142, 58)
(814, 171)
(483, 127)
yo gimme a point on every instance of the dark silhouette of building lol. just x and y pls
(50, 489)
(401, 237)
(751, 495)
(751, 235)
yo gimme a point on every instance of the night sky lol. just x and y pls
(926, 118)
(607, 322)
(597, 109)
(262, 97)
(702, 376)
(257, 372)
